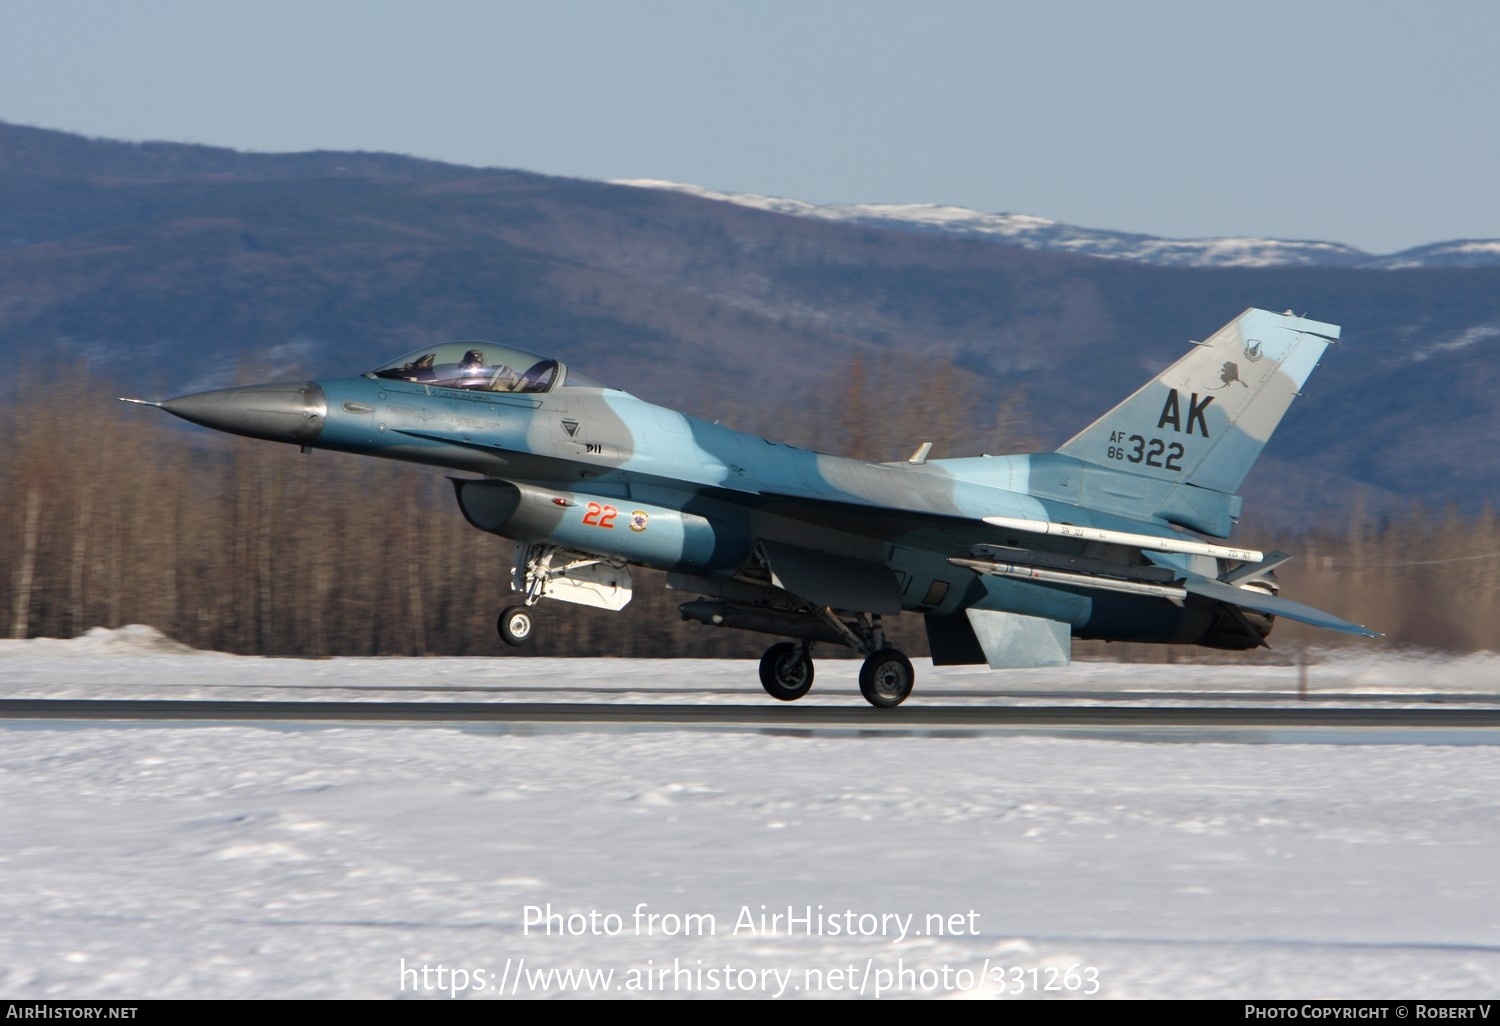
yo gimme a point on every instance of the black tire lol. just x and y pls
(886, 679)
(786, 671)
(515, 625)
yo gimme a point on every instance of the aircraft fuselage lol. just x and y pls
(1007, 557)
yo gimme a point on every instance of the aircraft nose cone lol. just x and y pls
(279, 413)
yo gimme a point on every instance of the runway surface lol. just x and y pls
(1310, 724)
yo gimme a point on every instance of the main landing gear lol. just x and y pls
(786, 670)
(885, 678)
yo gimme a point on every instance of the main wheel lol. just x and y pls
(886, 679)
(786, 671)
(515, 625)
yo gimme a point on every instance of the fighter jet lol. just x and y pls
(1118, 535)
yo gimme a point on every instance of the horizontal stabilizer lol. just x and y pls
(1275, 606)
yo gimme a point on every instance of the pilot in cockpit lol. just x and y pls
(471, 372)
(474, 370)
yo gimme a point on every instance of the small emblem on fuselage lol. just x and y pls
(1253, 350)
(571, 427)
(639, 518)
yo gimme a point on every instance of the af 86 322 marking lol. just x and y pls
(1139, 449)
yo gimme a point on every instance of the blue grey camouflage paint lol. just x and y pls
(565, 460)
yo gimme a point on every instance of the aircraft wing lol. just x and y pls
(957, 535)
(1085, 574)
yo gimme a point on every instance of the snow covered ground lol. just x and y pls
(321, 860)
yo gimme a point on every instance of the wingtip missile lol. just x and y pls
(1149, 542)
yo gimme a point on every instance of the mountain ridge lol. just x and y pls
(1040, 233)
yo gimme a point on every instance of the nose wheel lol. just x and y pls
(515, 625)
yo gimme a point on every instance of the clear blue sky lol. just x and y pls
(1369, 123)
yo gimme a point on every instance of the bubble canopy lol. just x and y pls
(479, 367)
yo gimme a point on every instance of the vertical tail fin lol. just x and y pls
(1204, 420)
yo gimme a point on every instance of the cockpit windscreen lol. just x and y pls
(477, 366)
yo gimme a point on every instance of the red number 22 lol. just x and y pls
(600, 516)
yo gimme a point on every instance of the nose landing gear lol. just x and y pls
(515, 625)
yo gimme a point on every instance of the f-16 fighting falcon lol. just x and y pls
(1118, 535)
